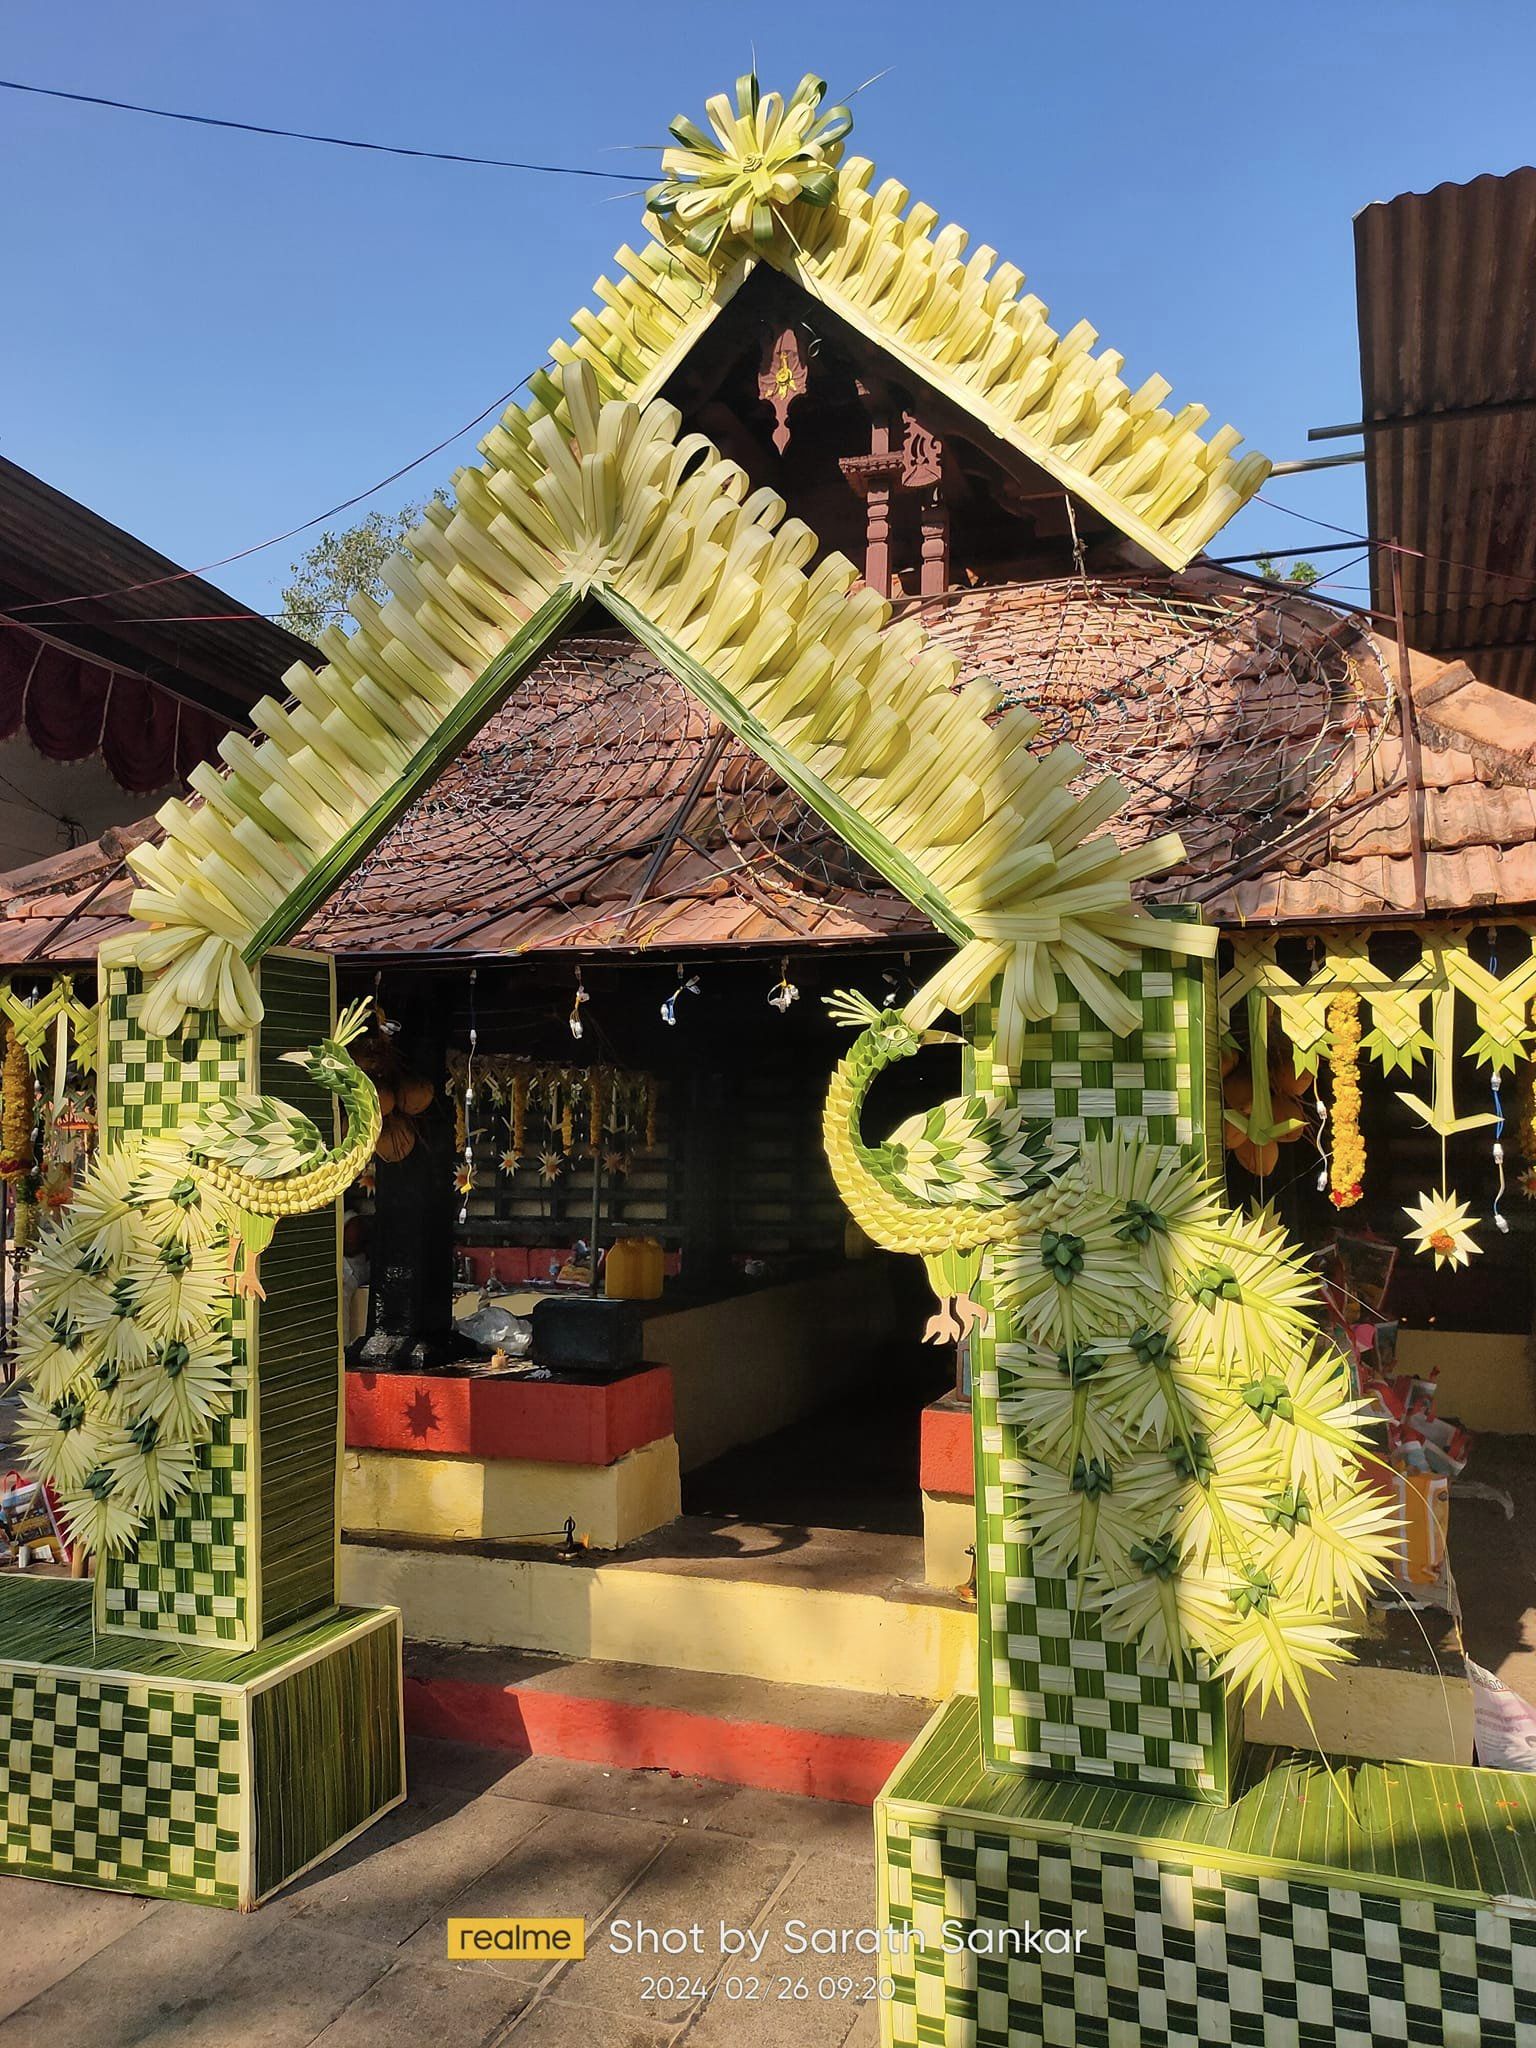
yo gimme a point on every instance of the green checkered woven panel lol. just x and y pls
(1028, 1912)
(190, 1573)
(125, 1785)
(1055, 1695)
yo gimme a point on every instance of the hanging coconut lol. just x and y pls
(397, 1138)
(414, 1094)
(386, 1096)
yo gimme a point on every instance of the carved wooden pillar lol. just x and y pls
(922, 473)
(903, 463)
(933, 573)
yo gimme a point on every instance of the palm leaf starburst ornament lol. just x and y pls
(1442, 1226)
(763, 155)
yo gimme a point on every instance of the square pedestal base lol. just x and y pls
(183, 1773)
(1280, 1921)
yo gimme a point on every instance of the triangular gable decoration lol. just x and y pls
(859, 714)
(769, 184)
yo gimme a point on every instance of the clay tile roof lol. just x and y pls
(602, 808)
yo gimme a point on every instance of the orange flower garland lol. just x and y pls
(16, 1110)
(1346, 1171)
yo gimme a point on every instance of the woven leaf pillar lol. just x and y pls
(1055, 1694)
(252, 1549)
(204, 1722)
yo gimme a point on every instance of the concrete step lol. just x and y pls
(789, 1605)
(818, 1742)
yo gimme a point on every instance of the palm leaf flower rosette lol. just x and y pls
(762, 156)
(125, 1343)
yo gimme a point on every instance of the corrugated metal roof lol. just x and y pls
(1446, 286)
(53, 547)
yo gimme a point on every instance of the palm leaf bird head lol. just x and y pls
(329, 1063)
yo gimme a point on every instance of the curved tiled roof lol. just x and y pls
(602, 808)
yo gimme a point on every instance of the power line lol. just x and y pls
(276, 539)
(440, 156)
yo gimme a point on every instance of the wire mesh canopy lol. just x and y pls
(1231, 714)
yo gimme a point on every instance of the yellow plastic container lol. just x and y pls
(635, 1269)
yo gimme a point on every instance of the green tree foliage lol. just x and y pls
(1303, 573)
(342, 564)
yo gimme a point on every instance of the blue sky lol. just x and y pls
(210, 338)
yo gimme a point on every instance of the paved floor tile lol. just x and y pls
(568, 1864)
(48, 1930)
(551, 1781)
(439, 2006)
(806, 1824)
(400, 1875)
(552, 2023)
(807, 1989)
(697, 1882)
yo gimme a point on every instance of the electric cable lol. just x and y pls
(440, 156)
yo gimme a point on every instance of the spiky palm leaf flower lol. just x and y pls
(1239, 1296)
(1276, 1642)
(97, 1517)
(1225, 1479)
(1167, 1607)
(1312, 1423)
(1442, 1225)
(186, 1388)
(1075, 1283)
(1323, 1552)
(1160, 1198)
(55, 1271)
(103, 1216)
(1168, 1394)
(1090, 1518)
(118, 1341)
(57, 1352)
(174, 1205)
(1066, 1401)
(59, 1440)
(181, 1288)
(149, 1467)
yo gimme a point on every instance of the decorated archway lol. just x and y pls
(1170, 1510)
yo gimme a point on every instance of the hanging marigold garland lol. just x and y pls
(17, 1110)
(1346, 1172)
(1525, 1118)
(520, 1113)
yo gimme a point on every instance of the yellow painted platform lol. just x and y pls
(1487, 1378)
(511, 1499)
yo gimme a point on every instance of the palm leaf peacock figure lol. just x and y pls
(125, 1339)
(1192, 1449)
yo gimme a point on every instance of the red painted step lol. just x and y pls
(815, 1741)
(458, 1415)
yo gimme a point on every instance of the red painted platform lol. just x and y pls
(822, 1745)
(553, 1422)
(947, 1458)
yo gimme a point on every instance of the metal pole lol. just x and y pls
(597, 1198)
